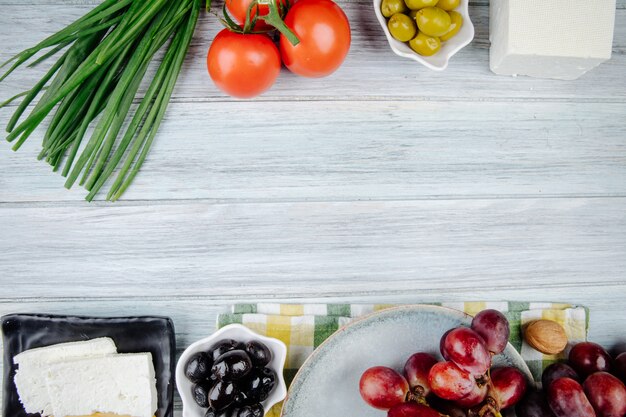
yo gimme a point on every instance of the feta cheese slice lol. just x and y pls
(123, 384)
(33, 365)
(560, 39)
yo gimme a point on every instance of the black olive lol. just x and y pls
(254, 410)
(252, 385)
(259, 353)
(241, 397)
(222, 347)
(227, 412)
(198, 367)
(268, 380)
(210, 412)
(222, 395)
(200, 395)
(232, 365)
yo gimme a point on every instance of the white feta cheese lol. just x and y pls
(33, 366)
(123, 384)
(561, 39)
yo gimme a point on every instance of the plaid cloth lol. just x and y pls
(303, 327)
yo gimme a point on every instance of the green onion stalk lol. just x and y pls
(104, 58)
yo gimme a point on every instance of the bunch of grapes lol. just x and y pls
(587, 386)
(463, 385)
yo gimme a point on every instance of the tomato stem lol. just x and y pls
(250, 23)
(230, 23)
(273, 18)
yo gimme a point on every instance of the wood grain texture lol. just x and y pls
(555, 246)
(620, 4)
(373, 150)
(382, 183)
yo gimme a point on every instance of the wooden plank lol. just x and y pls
(361, 150)
(425, 247)
(620, 4)
(370, 72)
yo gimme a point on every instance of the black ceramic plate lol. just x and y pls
(131, 335)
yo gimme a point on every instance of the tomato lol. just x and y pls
(239, 8)
(324, 33)
(243, 66)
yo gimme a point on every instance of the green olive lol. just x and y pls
(448, 5)
(419, 4)
(402, 27)
(391, 7)
(425, 45)
(457, 22)
(433, 21)
(413, 14)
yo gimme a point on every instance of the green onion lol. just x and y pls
(96, 81)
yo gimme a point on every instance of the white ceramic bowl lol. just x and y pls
(241, 334)
(438, 61)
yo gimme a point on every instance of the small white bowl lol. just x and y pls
(438, 61)
(241, 334)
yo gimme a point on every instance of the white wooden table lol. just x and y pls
(384, 182)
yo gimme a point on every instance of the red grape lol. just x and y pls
(450, 382)
(509, 385)
(567, 399)
(556, 371)
(606, 394)
(411, 410)
(442, 347)
(620, 366)
(416, 372)
(467, 350)
(477, 396)
(382, 387)
(493, 327)
(533, 404)
(588, 357)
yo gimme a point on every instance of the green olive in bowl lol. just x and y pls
(419, 4)
(425, 45)
(433, 21)
(390, 7)
(402, 27)
(455, 26)
(448, 5)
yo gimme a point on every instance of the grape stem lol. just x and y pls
(417, 395)
(491, 406)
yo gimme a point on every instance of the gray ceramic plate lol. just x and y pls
(328, 383)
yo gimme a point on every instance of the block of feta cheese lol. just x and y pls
(560, 39)
(123, 384)
(33, 366)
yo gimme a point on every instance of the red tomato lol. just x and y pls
(243, 66)
(239, 8)
(324, 33)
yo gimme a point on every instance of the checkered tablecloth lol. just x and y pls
(303, 327)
